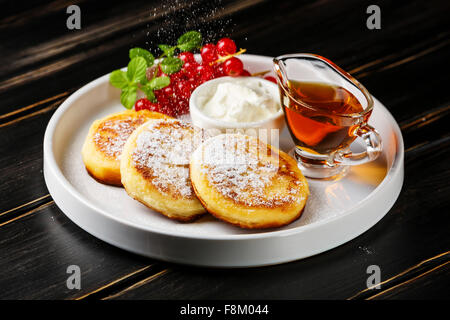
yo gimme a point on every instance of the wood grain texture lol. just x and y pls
(21, 165)
(37, 249)
(405, 65)
(425, 286)
(53, 49)
(51, 52)
(404, 277)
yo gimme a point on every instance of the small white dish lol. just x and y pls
(201, 120)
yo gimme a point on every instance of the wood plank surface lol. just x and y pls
(38, 248)
(405, 65)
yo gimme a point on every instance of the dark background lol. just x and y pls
(405, 65)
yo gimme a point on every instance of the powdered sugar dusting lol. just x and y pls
(113, 133)
(162, 153)
(235, 166)
(174, 17)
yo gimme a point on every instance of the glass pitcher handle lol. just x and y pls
(373, 146)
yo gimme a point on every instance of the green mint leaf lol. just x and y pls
(147, 89)
(155, 84)
(149, 92)
(139, 52)
(164, 47)
(136, 70)
(151, 96)
(128, 96)
(171, 65)
(189, 41)
(118, 79)
(168, 50)
(159, 82)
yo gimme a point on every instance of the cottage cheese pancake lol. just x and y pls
(155, 168)
(103, 146)
(243, 181)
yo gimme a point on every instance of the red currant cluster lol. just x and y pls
(218, 60)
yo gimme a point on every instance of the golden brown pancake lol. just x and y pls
(245, 182)
(104, 143)
(155, 168)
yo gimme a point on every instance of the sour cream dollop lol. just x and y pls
(238, 100)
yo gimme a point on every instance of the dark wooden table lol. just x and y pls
(405, 64)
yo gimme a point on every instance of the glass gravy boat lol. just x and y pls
(325, 109)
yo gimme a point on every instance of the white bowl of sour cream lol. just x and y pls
(243, 103)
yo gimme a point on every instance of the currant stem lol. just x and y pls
(224, 58)
(261, 73)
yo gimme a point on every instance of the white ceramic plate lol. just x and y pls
(336, 212)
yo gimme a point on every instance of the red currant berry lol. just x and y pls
(145, 104)
(194, 82)
(161, 96)
(225, 46)
(245, 73)
(177, 76)
(208, 53)
(168, 91)
(160, 72)
(168, 110)
(186, 56)
(218, 70)
(183, 89)
(142, 104)
(156, 107)
(270, 78)
(233, 66)
(190, 69)
(190, 65)
(205, 72)
(182, 106)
